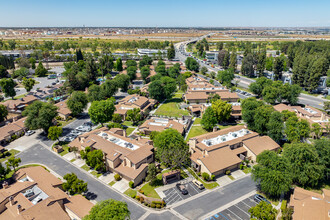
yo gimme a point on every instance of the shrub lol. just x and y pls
(117, 177)
(59, 124)
(241, 166)
(158, 206)
(69, 118)
(137, 197)
(14, 137)
(58, 118)
(141, 191)
(198, 173)
(212, 177)
(131, 184)
(141, 199)
(153, 205)
(227, 172)
(206, 176)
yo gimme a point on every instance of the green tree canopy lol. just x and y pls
(40, 115)
(3, 112)
(8, 87)
(110, 210)
(41, 70)
(73, 185)
(226, 76)
(101, 111)
(171, 149)
(222, 110)
(13, 162)
(209, 119)
(134, 115)
(77, 102)
(28, 83)
(263, 211)
(54, 133)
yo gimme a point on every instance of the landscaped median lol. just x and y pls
(207, 185)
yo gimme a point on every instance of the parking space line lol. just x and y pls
(246, 204)
(193, 186)
(241, 209)
(223, 216)
(234, 213)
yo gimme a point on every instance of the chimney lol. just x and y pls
(11, 200)
(215, 128)
(19, 209)
(124, 133)
(5, 185)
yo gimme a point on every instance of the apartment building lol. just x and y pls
(199, 91)
(37, 194)
(160, 124)
(312, 115)
(222, 150)
(197, 110)
(18, 105)
(63, 110)
(126, 156)
(310, 205)
(15, 128)
(134, 101)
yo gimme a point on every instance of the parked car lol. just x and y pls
(68, 139)
(88, 123)
(83, 128)
(77, 133)
(198, 184)
(30, 132)
(258, 198)
(182, 189)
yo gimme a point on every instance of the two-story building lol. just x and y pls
(219, 151)
(128, 157)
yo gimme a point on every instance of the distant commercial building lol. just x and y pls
(16, 53)
(211, 55)
(152, 52)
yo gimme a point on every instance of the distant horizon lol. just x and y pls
(170, 13)
(170, 27)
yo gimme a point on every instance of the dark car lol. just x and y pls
(258, 198)
(182, 189)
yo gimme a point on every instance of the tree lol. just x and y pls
(32, 62)
(3, 112)
(109, 88)
(3, 72)
(306, 166)
(278, 67)
(145, 72)
(316, 130)
(134, 115)
(233, 61)
(226, 76)
(131, 72)
(91, 70)
(79, 55)
(171, 52)
(162, 89)
(106, 64)
(209, 120)
(21, 73)
(119, 65)
(95, 159)
(247, 65)
(116, 118)
(95, 93)
(101, 111)
(152, 173)
(221, 57)
(41, 71)
(291, 93)
(226, 60)
(109, 209)
(146, 61)
(326, 107)
(122, 81)
(77, 102)
(273, 93)
(40, 115)
(221, 110)
(322, 147)
(275, 126)
(258, 86)
(54, 133)
(192, 64)
(13, 162)
(8, 87)
(219, 46)
(23, 63)
(261, 62)
(249, 107)
(73, 185)
(4, 171)
(272, 173)
(203, 70)
(171, 148)
(296, 129)
(261, 119)
(28, 83)
(263, 211)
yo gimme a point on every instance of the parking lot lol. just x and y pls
(173, 194)
(239, 211)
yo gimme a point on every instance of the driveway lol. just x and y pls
(211, 201)
(39, 154)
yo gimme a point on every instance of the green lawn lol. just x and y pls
(197, 121)
(130, 192)
(20, 96)
(112, 183)
(96, 174)
(178, 95)
(85, 167)
(247, 169)
(171, 108)
(128, 123)
(73, 160)
(195, 131)
(129, 131)
(231, 177)
(65, 150)
(64, 123)
(150, 191)
(12, 152)
(207, 185)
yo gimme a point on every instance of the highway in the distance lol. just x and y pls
(244, 82)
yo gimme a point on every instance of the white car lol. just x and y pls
(68, 139)
(30, 132)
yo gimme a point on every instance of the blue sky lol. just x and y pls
(167, 13)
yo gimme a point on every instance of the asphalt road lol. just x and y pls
(41, 155)
(211, 201)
